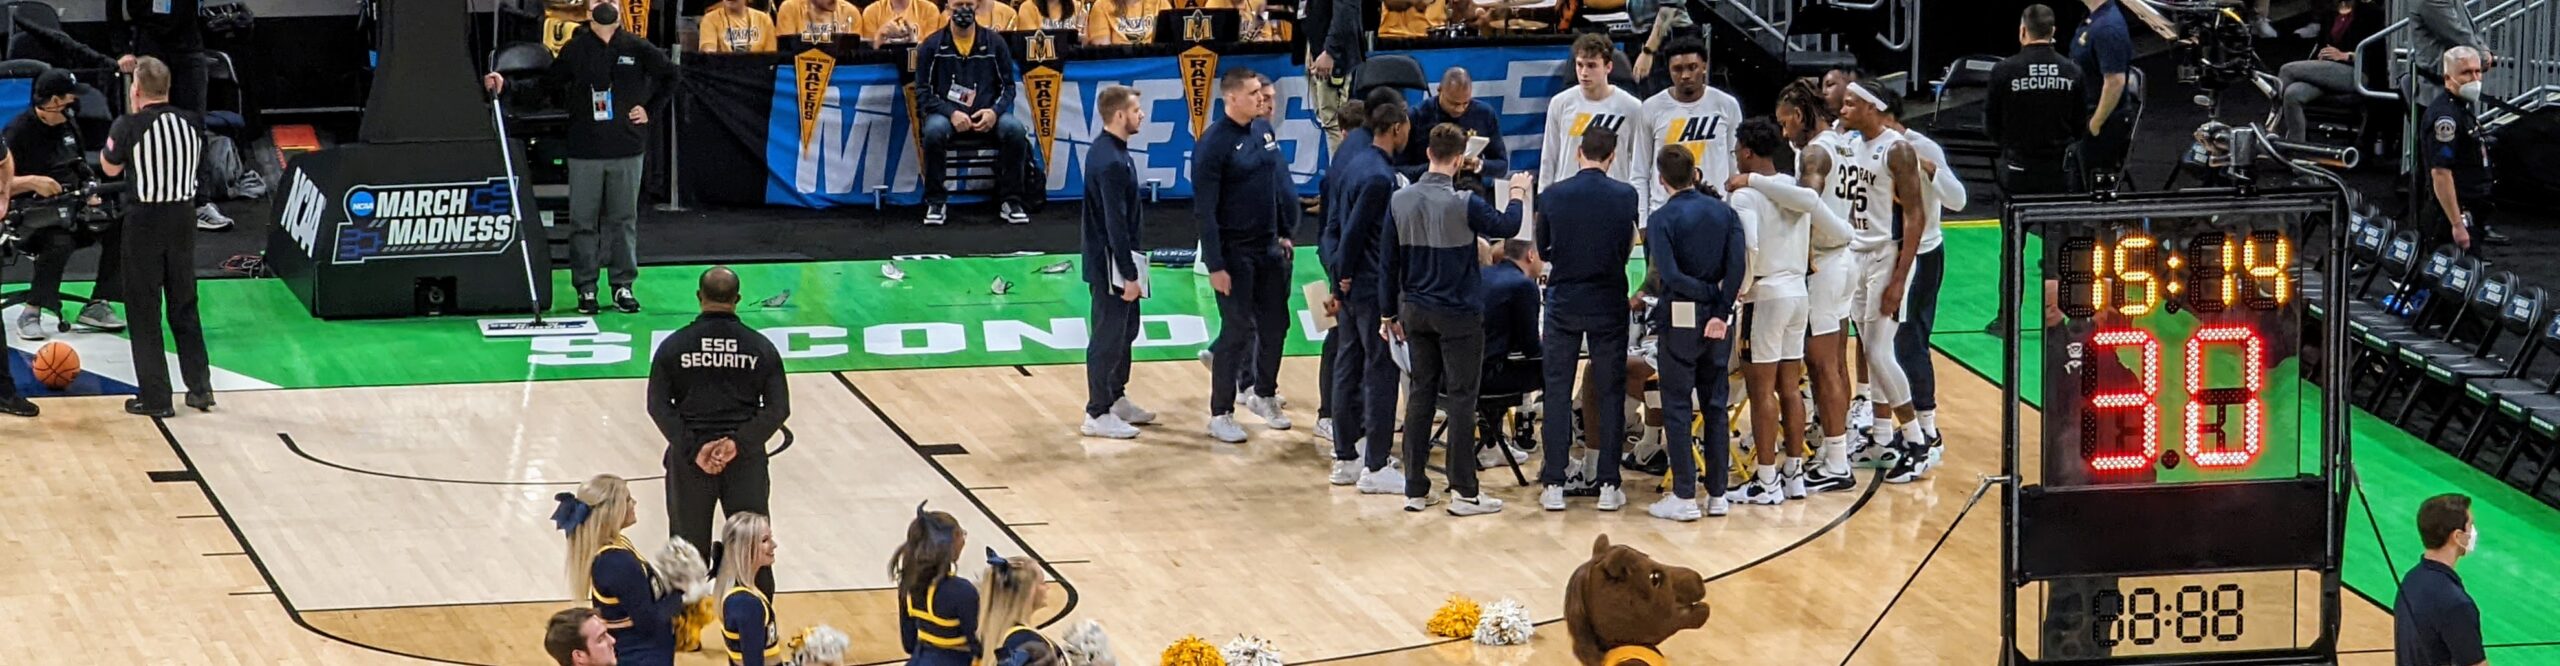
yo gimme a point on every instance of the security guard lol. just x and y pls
(2104, 51)
(1239, 180)
(717, 393)
(161, 144)
(2035, 109)
(2457, 166)
(2034, 113)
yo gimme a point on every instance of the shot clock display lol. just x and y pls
(2176, 358)
(2176, 502)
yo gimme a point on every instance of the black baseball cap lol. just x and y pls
(54, 83)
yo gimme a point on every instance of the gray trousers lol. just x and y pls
(2306, 81)
(604, 217)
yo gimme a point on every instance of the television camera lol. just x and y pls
(91, 208)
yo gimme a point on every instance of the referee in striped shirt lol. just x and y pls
(160, 144)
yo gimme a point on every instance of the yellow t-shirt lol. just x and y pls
(922, 18)
(1413, 23)
(1032, 17)
(1101, 26)
(999, 17)
(747, 30)
(800, 17)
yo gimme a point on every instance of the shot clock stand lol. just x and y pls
(2100, 522)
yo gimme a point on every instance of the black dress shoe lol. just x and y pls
(587, 304)
(18, 406)
(202, 402)
(136, 407)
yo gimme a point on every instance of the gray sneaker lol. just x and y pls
(209, 218)
(99, 315)
(31, 323)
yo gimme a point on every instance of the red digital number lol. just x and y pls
(2253, 410)
(2143, 405)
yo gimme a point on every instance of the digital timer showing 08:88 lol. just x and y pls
(2175, 359)
(2171, 614)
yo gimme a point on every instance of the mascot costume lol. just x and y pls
(1621, 605)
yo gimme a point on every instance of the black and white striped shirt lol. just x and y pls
(159, 147)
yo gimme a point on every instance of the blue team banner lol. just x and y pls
(862, 138)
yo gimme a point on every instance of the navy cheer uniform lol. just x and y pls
(941, 629)
(643, 624)
(1014, 642)
(746, 620)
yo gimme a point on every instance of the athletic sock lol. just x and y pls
(1766, 473)
(1793, 466)
(1835, 454)
(1912, 436)
(1929, 422)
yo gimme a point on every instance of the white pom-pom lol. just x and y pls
(1505, 622)
(825, 647)
(1086, 645)
(680, 567)
(1250, 651)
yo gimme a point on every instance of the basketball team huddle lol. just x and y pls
(1766, 245)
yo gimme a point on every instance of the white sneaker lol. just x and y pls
(1470, 506)
(1822, 479)
(1417, 504)
(209, 218)
(934, 214)
(1791, 478)
(1324, 429)
(1269, 410)
(1109, 425)
(1612, 498)
(1131, 413)
(1345, 472)
(1382, 481)
(1551, 499)
(1224, 428)
(1014, 214)
(1718, 506)
(1490, 457)
(1875, 454)
(1672, 508)
(1764, 492)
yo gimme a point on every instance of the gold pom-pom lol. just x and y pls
(1457, 619)
(695, 617)
(1191, 651)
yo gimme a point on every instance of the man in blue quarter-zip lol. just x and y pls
(1695, 242)
(1238, 180)
(1430, 271)
(1114, 265)
(1364, 387)
(1586, 230)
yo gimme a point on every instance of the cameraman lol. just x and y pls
(45, 142)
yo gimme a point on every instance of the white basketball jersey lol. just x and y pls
(1870, 193)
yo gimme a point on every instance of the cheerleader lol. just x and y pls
(1013, 587)
(746, 615)
(603, 567)
(940, 626)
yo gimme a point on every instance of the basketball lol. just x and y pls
(56, 365)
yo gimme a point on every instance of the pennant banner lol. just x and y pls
(1199, 79)
(810, 72)
(1041, 88)
(638, 13)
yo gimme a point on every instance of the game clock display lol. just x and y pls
(2175, 361)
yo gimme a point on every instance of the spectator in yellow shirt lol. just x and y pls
(1104, 25)
(1050, 15)
(997, 16)
(1412, 19)
(561, 20)
(734, 27)
(900, 21)
(818, 17)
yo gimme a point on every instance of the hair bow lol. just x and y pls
(998, 562)
(571, 512)
(1016, 658)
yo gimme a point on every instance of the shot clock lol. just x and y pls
(2175, 500)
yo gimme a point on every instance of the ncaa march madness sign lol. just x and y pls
(852, 140)
(438, 220)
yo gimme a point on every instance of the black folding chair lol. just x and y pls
(2448, 297)
(2468, 352)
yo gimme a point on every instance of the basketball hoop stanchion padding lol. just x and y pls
(2187, 504)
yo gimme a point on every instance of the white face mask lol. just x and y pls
(2471, 544)
(2470, 92)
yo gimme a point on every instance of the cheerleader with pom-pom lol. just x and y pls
(746, 615)
(940, 625)
(637, 603)
(1013, 587)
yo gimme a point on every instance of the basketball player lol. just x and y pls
(1697, 248)
(1928, 274)
(1691, 116)
(1594, 103)
(1822, 157)
(717, 392)
(1779, 315)
(1886, 191)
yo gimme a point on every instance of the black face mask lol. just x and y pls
(605, 15)
(964, 17)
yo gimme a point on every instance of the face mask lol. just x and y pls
(2470, 92)
(964, 17)
(2471, 544)
(605, 15)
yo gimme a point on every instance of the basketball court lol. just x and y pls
(388, 502)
